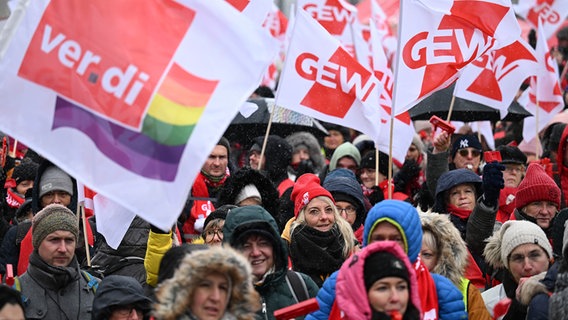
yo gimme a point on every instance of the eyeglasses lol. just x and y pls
(125, 311)
(211, 233)
(349, 210)
(465, 152)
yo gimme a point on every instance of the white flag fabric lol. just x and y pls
(552, 14)
(256, 10)
(322, 80)
(132, 114)
(543, 98)
(335, 16)
(403, 128)
(494, 78)
(440, 37)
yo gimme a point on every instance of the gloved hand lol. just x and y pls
(492, 183)
(305, 166)
(410, 170)
(376, 196)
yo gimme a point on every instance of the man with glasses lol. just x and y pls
(348, 196)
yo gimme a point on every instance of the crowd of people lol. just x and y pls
(450, 236)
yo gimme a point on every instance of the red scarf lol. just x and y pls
(201, 208)
(458, 212)
(13, 199)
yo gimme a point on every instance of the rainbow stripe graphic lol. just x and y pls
(155, 152)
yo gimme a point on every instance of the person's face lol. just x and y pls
(346, 210)
(11, 312)
(216, 163)
(254, 160)
(389, 294)
(429, 256)
(260, 254)
(23, 186)
(347, 163)
(333, 140)
(513, 174)
(367, 176)
(210, 298)
(527, 260)
(300, 154)
(127, 312)
(58, 248)
(319, 215)
(462, 196)
(56, 196)
(214, 235)
(542, 211)
(413, 153)
(467, 158)
(385, 231)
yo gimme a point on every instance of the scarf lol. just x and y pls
(316, 253)
(53, 278)
(459, 212)
(214, 182)
(427, 291)
(13, 199)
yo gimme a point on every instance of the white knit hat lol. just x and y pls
(249, 191)
(517, 232)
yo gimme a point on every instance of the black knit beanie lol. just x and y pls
(26, 170)
(381, 265)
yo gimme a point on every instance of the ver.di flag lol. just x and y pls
(130, 108)
(322, 80)
(440, 37)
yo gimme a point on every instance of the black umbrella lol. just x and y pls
(464, 110)
(284, 123)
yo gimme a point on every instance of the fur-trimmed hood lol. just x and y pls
(453, 255)
(174, 296)
(314, 148)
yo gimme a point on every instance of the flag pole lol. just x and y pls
(451, 108)
(85, 237)
(13, 150)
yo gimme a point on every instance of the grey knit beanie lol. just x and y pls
(55, 179)
(52, 218)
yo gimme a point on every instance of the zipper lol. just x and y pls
(264, 307)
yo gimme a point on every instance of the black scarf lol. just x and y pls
(316, 253)
(53, 278)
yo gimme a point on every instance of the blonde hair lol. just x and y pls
(342, 225)
(430, 240)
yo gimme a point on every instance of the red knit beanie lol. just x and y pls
(537, 186)
(306, 188)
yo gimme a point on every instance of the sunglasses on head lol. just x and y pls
(465, 152)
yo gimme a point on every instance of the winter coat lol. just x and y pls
(128, 258)
(174, 296)
(351, 292)
(274, 290)
(453, 261)
(56, 292)
(406, 219)
(562, 179)
(158, 245)
(558, 304)
(325, 298)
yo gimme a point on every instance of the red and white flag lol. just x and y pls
(132, 114)
(544, 97)
(440, 37)
(276, 23)
(402, 125)
(381, 20)
(255, 10)
(494, 78)
(335, 16)
(552, 13)
(322, 80)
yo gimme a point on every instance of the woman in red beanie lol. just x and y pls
(320, 239)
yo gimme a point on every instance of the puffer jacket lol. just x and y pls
(274, 290)
(350, 286)
(174, 295)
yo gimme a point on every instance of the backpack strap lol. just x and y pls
(297, 286)
(92, 282)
